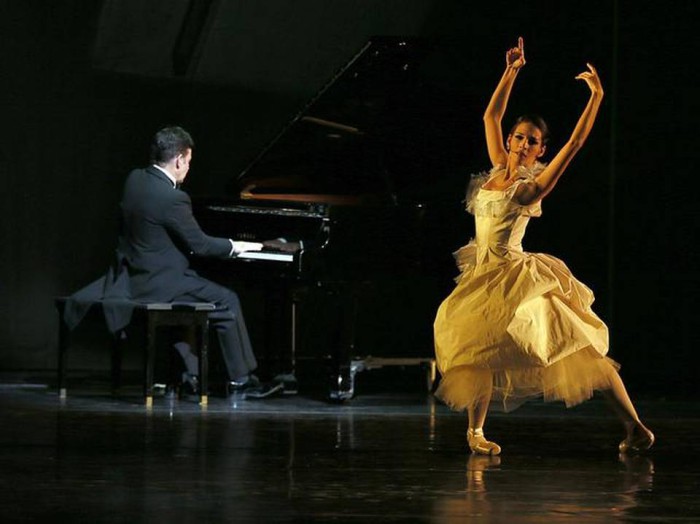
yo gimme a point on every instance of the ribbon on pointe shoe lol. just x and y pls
(479, 444)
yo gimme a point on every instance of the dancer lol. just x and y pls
(519, 325)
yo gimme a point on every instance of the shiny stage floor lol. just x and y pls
(379, 458)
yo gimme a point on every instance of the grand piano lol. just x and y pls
(345, 187)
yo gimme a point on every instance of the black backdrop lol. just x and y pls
(86, 83)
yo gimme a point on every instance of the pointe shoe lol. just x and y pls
(640, 440)
(478, 443)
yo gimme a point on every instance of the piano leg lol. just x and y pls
(280, 319)
(342, 372)
(293, 336)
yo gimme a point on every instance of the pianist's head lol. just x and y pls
(172, 149)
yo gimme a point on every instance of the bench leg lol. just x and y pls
(63, 343)
(150, 358)
(204, 360)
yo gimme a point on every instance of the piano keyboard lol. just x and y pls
(267, 255)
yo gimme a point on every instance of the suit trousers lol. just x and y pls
(230, 328)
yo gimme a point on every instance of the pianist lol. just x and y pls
(158, 233)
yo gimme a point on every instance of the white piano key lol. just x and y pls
(261, 255)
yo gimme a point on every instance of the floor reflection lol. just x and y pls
(523, 490)
(99, 459)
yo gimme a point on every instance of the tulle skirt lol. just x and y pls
(571, 380)
(519, 327)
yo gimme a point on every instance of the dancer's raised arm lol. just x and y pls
(547, 179)
(515, 59)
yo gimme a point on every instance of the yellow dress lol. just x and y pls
(518, 323)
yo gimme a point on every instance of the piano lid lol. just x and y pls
(361, 140)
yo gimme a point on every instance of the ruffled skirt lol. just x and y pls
(518, 326)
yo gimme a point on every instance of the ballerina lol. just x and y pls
(519, 325)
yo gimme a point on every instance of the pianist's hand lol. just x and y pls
(240, 246)
(282, 245)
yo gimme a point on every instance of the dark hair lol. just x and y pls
(168, 143)
(535, 120)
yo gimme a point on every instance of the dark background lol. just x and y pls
(86, 83)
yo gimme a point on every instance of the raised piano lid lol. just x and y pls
(358, 141)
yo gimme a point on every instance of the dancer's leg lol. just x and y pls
(639, 437)
(477, 413)
(477, 417)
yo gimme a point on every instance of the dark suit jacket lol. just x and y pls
(151, 265)
(158, 233)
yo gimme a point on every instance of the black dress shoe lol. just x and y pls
(252, 388)
(189, 385)
(265, 391)
(238, 389)
(188, 388)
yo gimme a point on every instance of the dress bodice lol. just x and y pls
(500, 220)
(505, 229)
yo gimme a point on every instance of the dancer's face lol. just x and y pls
(525, 144)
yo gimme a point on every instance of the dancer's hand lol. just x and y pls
(592, 80)
(515, 57)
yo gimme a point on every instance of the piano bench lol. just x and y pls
(192, 315)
